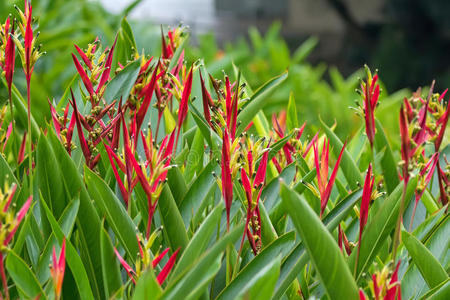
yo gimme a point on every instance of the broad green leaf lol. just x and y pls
(120, 86)
(147, 287)
(298, 258)
(197, 192)
(114, 211)
(111, 272)
(380, 227)
(172, 221)
(321, 246)
(261, 286)
(257, 100)
(304, 50)
(291, 117)
(176, 182)
(388, 164)
(49, 177)
(253, 269)
(348, 165)
(198, 243)
(429, 266)
(437, 242)
(181, 287)
(73, 259)
(442, 291)
(194, 161)
(23, 277)
(6, 174)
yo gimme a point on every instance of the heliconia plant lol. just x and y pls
(151, 178)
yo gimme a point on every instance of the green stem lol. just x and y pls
(29, 148)
(13, 127)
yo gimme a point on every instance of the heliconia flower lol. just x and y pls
(371, 92)
(167, 268)
(21, 154)
(405, 143)
(425, 175)
(308, 147)
(342, 239)
(58, 268)
(167, 51)
(325, 184)
(394, 291)
(144, 259)
(126, 266)
(365, 202)
(84, 77)
(383, 287)
(442, 122)
(227, 182)
(149, 89)
(107, 68)
(84, 144)
(28, 40)
(84, 57)
(8, 134)
(10, 57)
(207, 100)
(182, 112)
(123, 190)
(19, 217)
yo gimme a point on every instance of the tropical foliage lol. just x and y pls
(154, 179)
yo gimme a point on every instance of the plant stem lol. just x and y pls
(13, 125)
(30, 154)
(399, 222)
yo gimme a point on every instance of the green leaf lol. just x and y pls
(261, 286)
(348, 165)
(49, 177)
(442, 291)
(172, 221)
(197, 192)
(388, 164)
(23, 277)
(429, 266)
(147, 287)
(113, 210)
(120, 86)
(256, 102)
(191, 284)
(73, 259)
(304, 50)
(437, 242)
(254, 269)
(6, 174)
(381, 225)
(291, 117)
(321, 246)
(199, 242)
(111, 272)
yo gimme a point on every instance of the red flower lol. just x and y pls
(227, 182)
(182, 112)
(371, 92)
(10, 57)
(322, 173)
(57, 269)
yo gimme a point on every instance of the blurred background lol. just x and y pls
(323, 43)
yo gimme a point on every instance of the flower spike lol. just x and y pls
(58, 268)
(182, 113)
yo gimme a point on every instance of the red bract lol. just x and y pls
(207, 101)
(145, 261)
(371, 92)
(405, 143)
(10, 57)
(57, 269)
(84, 77)
(227, 182)
(107, 68)
(425, 176)
(28, 40)
(182, 112)
(147, 99)
(325, 184)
